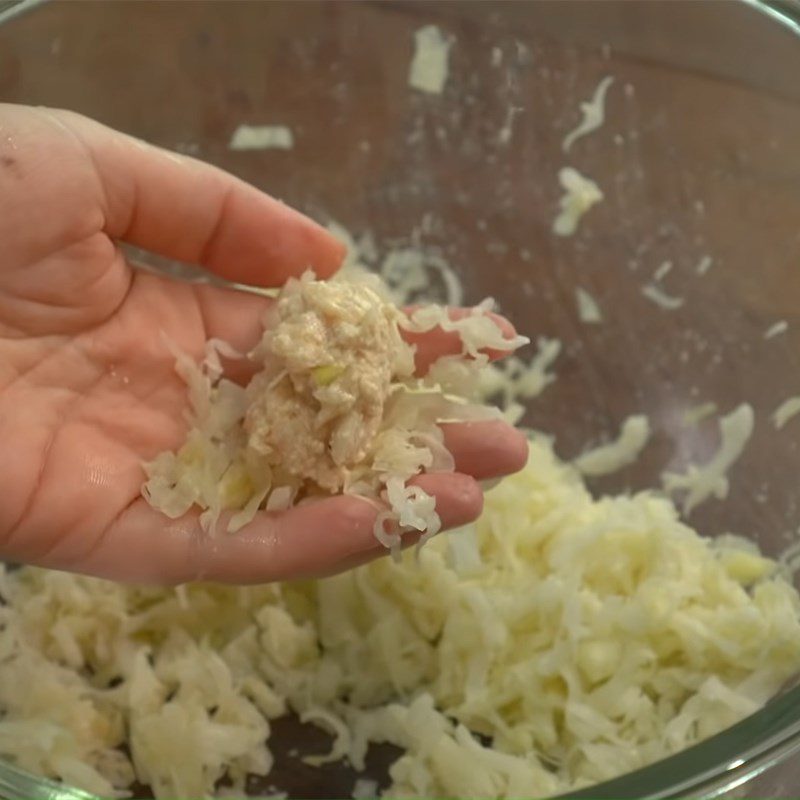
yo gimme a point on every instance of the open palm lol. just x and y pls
(88, 389)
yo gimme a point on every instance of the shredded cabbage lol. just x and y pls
(477, 330)
(588, 309)
(696, 414)
(334, 407)
(663, 300)
(785, 411)
(262, 137)
(408, 272)
(512, 379)
(625, 450)
(593, 114)
(700, 483)
(429, 67)
(559, 641)
(777, 329)
(704, 265)
(580, 194)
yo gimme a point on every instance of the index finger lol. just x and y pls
(190, 211)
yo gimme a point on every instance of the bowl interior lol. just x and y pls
(698, 159)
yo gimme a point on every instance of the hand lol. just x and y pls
(88, 390)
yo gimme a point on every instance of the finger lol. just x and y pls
(410, 539)
(193, 212)
(486, 450)
(437, 343)
(143, 546)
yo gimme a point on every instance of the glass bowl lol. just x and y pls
(699, 158)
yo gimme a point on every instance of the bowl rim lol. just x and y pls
(14, 8)
(737, 755)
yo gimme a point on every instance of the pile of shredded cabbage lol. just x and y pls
(334, 407)
(559, 641)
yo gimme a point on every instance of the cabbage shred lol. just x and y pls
(334, 407)
(557, 642)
